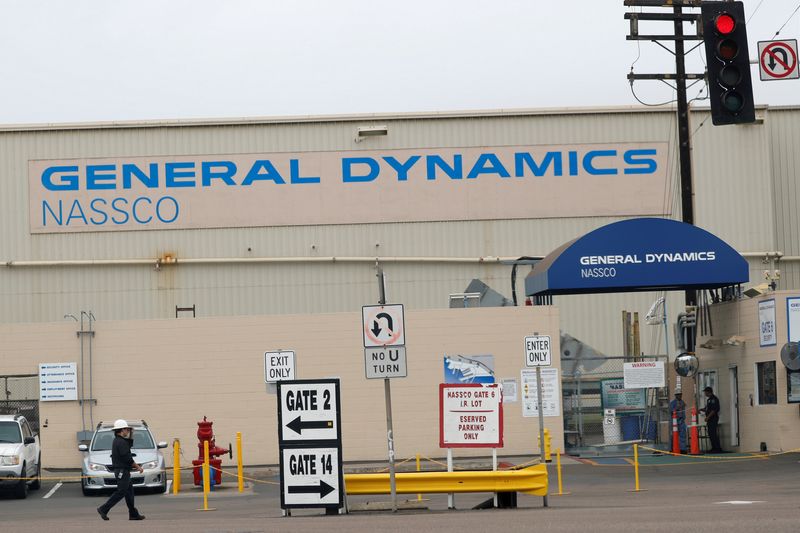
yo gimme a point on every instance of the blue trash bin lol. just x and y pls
(631, 427)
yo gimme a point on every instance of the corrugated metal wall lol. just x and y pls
(745, 182)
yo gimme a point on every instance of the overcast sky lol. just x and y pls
(84, 60)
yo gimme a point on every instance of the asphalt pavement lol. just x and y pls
(730, 495)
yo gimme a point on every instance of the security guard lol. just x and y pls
(122, 462)
(712, 419)
(678, 406)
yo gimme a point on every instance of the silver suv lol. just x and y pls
(96, 471)
(20, 455)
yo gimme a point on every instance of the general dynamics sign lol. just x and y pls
(303, 188)
(638, 254)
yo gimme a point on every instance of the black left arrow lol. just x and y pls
(297, 425)
(323, 489)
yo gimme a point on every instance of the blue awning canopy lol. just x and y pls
(640, 254)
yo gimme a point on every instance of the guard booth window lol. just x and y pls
(766, 383)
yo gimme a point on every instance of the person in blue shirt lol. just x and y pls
(678, 406)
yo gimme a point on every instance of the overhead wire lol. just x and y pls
(787, 20)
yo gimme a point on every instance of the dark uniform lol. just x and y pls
(712, 421)
(122, 462)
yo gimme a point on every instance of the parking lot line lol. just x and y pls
(55, 488)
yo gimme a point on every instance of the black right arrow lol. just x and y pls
(297, 425)
(323, 489)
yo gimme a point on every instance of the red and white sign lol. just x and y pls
(643, 375)
(470, 415)
(383, 325)
(777, 60)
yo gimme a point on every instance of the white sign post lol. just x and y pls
(644, 375)
(310, 442)
(385, 362)
(537, 353)
(311, 477)
(279, 366)
(777, 60)
(767, 336)
(551, 393)
(383, 325)
(58, 382)
(470, 415)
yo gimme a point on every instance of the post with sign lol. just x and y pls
(384, 336)
(538, 354)
(310, 442)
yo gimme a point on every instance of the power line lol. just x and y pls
(787, 21)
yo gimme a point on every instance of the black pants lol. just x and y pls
(124, 490)
(713, 435)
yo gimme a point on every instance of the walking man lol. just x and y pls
(712, 419)
(122, 462)
(678, 406)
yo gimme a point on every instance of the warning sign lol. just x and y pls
(470, 415)
(777, 60)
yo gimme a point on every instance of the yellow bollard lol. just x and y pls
(548, 454)
(206, 478)
(176, 466)
(239, 460)
(636, 467)
(419, 496)
(558, 469)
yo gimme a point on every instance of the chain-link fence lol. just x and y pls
(601, 414)
(20, 395)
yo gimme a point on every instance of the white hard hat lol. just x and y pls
(120, 424)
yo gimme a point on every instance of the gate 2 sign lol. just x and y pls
(470, 415)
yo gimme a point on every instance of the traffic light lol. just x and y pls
(730, 88)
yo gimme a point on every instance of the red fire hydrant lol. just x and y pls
(205, 433)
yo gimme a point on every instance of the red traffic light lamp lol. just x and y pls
(730, 89)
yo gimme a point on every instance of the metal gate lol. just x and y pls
(590, 385)
(20, 395)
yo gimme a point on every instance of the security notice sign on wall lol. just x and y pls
(793, 318)
(58, 382)
(551, 392)
(643, 375)
(311, 477)
(767, 335)
(470, 415)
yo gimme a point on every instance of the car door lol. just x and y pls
(29, 449)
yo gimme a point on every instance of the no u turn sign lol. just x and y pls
(777, 60)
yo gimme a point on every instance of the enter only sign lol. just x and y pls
(537, 350)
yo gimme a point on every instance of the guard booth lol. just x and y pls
(634, 255)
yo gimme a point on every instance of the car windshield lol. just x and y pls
(9, 432)
(103, 440)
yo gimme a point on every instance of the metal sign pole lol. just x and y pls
(541, 421)
(387, 389)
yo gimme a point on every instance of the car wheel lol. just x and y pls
(84, 490)
(21, 492)
(37, 483)
(163, 488)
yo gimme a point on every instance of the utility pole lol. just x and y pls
(678, 17)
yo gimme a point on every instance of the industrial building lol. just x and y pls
(181, 251)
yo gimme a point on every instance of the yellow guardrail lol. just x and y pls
(531, 480)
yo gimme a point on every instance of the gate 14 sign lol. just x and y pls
(470, 416)
(311, 477)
